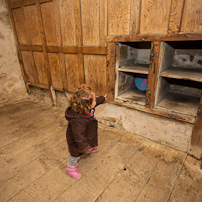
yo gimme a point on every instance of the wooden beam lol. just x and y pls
(53, 95)
(58, 49)
(163, 37)
(30, 48)
(110, 70)
(38, 85)
(44, 1)
(93, 50)
(153, 74)
(195, 148)
(21, 3)
(73, 50)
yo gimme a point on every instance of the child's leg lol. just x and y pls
(72, 168)
(73, 161)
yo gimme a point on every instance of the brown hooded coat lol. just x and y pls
(81, 131)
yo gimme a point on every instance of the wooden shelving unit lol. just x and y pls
(178, 76)
(179, 84)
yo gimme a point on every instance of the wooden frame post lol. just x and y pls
(195, 148)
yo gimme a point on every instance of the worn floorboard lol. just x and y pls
(34, 153)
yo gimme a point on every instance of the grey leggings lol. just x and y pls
(73, 161)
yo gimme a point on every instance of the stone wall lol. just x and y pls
(169, 132)
(12, 87)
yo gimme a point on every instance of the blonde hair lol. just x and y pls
(81, 100)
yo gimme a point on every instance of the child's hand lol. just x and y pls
(105, 97)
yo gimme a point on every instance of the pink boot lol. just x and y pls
(92, 150)
(73, 172)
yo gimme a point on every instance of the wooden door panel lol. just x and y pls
(90, 14)
(95, 73)
(192, 17)
(154, 16)
(40, 68)
(118, 17)
(50, 14)
(72, 71)
(67, 20)
(54, 63)
(33, 24)
(28, 66)
(19, 20)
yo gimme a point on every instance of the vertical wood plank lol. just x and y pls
(67, 20)
(153, 74)
(43, 40)
(54, 62)
(110, 70)
(33, 24)
(19, 23)
(103, 23)
(154, 17)
(28, 65)
(72, 71)
(195, 148)
(63, 71)
(50, 14)
(95, 73)
(135, 17)
(175, 16)
(77, 14)
(118, 17)
(40, 68)
(90, 13)
(29, 42)
(191, 19)
(79, 41)
(81, 68)
(17, 41)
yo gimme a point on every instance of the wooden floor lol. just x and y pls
(34, 153)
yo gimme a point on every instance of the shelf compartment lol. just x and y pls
(176, 95)
(179, 103)
(182, 60)
(138, 68)
(127, 90)
(132, 59)
(133, 95)
(133, 54)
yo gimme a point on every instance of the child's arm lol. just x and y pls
(100, 100)
(78, 127)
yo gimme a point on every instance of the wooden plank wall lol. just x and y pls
(63, 43)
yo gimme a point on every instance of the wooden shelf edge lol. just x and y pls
(178, 76)
(142, 69)
(156, 37)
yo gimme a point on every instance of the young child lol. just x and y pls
(82, 126)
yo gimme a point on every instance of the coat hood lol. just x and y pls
(71, 114)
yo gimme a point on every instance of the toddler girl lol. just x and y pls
(82, 126)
